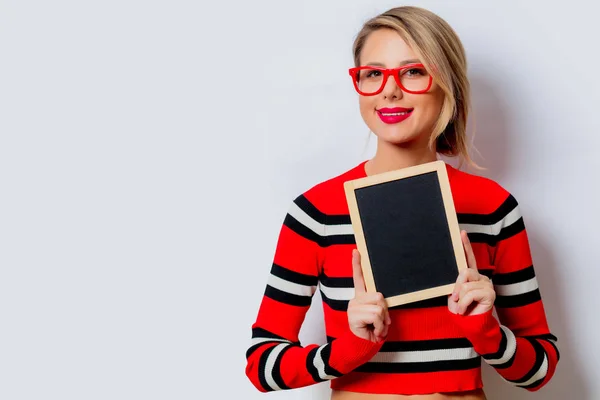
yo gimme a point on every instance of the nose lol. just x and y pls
(391, 89)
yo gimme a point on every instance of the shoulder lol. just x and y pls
(328, 196)
(485, 209)
(479, 195)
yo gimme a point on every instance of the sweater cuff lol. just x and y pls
(350, 351)
(482, 330)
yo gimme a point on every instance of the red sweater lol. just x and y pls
(428, 349)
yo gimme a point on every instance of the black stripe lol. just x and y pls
(342, 305)
(539, 360)
(337, 305)
(339, 219)
(421, 345)
(424, 345)
(534, 384)
(310, 366)
(475, 237)
(489, 219)
(440, 301)
(255, 347)
(514, 277)
(518, 300)
(433, 366)
(555, 349)
(312, 211)
(287, 298)
(293, 276)
(304, 231)
(325, 354)
(548, 338)
(505, 233)
(262, 363)
(341, 239)
(336, 282)
(507, 364)
(277, 369)
(263, 333)
(501, 349)
(511, 230)
(487, 272)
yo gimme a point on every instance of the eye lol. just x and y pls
(415, 72)
(373, 73)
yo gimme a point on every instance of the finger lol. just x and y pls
(371, 298)
(471, 261)
(359, 282)
(467, 287)
(379, 326)
(387, 320)
(452, 305)
(472, 296)
(372, 309)
(466, 275)
(384, 333)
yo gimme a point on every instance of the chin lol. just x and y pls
(397, 136)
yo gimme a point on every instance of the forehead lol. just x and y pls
(387, 47)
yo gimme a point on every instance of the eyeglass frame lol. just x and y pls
(386, 74)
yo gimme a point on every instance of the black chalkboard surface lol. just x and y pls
(407, 232)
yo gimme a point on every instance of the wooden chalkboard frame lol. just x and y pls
(438, 167)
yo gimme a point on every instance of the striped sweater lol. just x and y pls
(428, 349)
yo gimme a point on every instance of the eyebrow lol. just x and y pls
(378, 64)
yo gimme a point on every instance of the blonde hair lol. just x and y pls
(442, 53)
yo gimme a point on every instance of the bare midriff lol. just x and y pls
(472, 395)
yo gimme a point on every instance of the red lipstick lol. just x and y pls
(394, 115)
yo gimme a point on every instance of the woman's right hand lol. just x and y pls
(368, 314)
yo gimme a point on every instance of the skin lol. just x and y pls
(399, 146)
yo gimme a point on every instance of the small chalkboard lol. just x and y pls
(407, 232)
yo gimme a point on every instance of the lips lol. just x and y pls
(394, 115)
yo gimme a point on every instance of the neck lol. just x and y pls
(390, 157)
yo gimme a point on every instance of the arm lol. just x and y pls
(519, 346)
(276, 360)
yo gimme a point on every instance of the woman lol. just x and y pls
(410, 73)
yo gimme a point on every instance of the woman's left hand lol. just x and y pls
(473, 293)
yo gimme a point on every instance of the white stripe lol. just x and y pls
(271, 363)
(494, 229)
(345, 293)
(291, 287)
(258, 340)
(540, 374)
(320, 229)
(424, 355)
(511, 347)
(306, 220)
(341, 229)
(514, 289)
(320, 365)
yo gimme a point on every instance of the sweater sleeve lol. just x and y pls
(519, 346)
(275, 359)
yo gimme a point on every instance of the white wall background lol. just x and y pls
(150, 149)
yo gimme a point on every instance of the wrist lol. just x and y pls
(349, 351)
(482, 330)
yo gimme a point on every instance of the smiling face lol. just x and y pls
(395, 116)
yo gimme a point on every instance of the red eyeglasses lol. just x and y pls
(411, 78)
